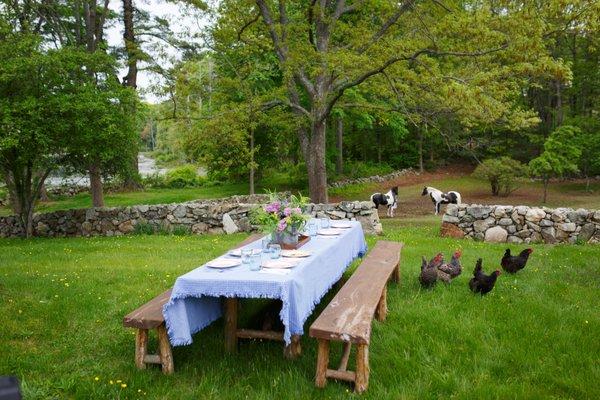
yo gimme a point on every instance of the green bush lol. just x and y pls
(503, 174)
(155, 180)
(143, 228)
(185, 176)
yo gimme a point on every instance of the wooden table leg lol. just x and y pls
(322, 363)
(381, 311)
(293, 350)
(231, 317)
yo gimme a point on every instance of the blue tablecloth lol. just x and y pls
(195, 302)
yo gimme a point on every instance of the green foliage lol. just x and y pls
(503, 174)
(143, 228)
(281, 214)
(184, 176)
(361, 169)
(181, 230)
(560, 157)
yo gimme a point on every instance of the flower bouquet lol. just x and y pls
(282, 218)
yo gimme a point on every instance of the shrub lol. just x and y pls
(361, 169)
(185, 176)
(181, 230)
(155, 180)
(503, 174)
(143, 228)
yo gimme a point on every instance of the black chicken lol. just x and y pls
(512, 264)
(429, 271)
(480, 282)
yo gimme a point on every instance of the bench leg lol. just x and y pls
(141, 347)
(294, 349)
(322, 363)
(231, 317)
(362, 368)
(381, 311)
(396, 274)
(345, 356)
(164, 350)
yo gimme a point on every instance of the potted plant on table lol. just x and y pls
(283, 218)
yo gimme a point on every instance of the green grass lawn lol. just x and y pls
(535, 336)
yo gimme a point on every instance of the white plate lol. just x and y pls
(221, 263)
(295, 253)
(341, 225)
(238, 252)
(278, 264)
(330, 232)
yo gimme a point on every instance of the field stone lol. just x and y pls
(546, 222)
(535, 214)
(514, 239)
(451, 219)
(511, 229)
(496, 234)
(549, 235)
(479, 211)
(596, 216)
(228, 225)
(505, 221)
(452, 210)
(568, 227)
(587, 231)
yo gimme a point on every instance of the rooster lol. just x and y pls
(512, 264)
(480, 282)
(447, 272)
(429, 271)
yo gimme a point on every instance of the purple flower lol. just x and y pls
(287, 211)
(273, 207)
(297, 210)
(282, 225)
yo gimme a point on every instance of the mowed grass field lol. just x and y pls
(534, 336)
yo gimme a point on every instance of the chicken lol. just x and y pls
(452, 269)
(482, 283)
(429, 271)
(512, 264)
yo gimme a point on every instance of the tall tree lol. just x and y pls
(324, 48)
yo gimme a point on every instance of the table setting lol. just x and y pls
(297, 272)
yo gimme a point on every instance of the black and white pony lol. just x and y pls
(438, 197)
(390, 199)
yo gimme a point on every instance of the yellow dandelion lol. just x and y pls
(111, 382)
(96, 379)
(123, 385)
(119, 381)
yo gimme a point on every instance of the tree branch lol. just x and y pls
(408, 4)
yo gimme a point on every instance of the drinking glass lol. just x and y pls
(275, 250)
(312, 228)
(246, 254)
(265, 244)
(255, 262)
(325, 223)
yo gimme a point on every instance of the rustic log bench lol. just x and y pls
(348, 316)
(150, 316)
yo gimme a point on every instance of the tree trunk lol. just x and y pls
(315, 164)
(132, 181)
(339, 165)
(96, 186)
(251, 161)
(420, 137)
(545, 189)
(44, 194)
(378, 134)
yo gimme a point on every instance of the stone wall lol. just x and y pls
(374, 179)
(521, 224)
(217, 216)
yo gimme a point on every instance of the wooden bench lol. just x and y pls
(348, 316)
(150, 316)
